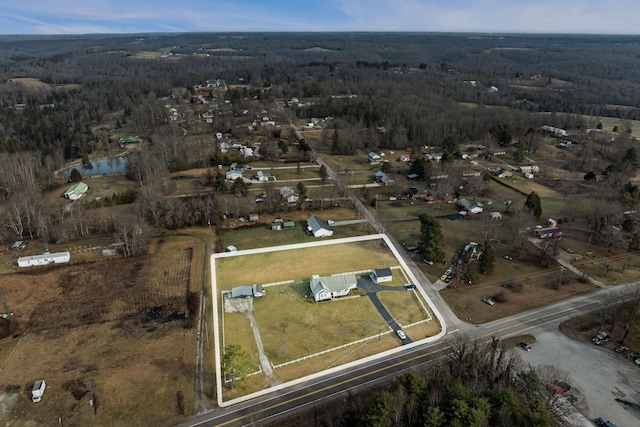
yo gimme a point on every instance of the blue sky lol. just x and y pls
(133, 16)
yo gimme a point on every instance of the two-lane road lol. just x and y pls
(304, 396)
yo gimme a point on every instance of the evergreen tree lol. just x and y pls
(323, 173)
(631, 157)
(431, 237)
(533, 204)
(220, 184)
(75, 175)
(487, 260)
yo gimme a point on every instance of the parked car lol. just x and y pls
(488, 300)
(523, 345)
(602, 423)
(601, 338)
(411, 287)
(401, 334)
(621, 349)
(632, 355)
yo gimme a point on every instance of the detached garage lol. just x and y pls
(44, 259)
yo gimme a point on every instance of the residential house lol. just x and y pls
(374, 158)
(319, 227)
(246, 151)
(495, 215)
(76, 191)
(288, 195)
(331, 287)
(383, 178)
(253, 217)
(381, 275)
(553, 131)
(471, 207)
(262, 176)
(529, 169)
(412, 192)
(233, 174)
(548, 233)
(224, 146)
(433, 156)
(405, 158)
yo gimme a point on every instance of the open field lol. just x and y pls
(114, 325)
(293, 326)
(244, 235)
(37, 84)
(300, 264)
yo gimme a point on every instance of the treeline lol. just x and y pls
(478, 385)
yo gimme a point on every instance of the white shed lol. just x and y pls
(44, 259)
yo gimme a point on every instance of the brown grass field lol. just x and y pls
(34, 84)
(114, 324)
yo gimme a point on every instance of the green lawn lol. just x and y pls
(301, 264)
(292, 326)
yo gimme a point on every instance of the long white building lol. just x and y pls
(44, 259)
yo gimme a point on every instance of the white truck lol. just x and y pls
(38, 390)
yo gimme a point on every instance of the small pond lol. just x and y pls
(100, 167)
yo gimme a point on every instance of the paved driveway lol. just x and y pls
(371, 288)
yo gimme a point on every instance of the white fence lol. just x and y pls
(280, 365)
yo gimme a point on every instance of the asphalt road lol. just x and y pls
(268, 409)
(280, 404)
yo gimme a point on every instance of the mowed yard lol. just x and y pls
(115, 326)
(292, 325)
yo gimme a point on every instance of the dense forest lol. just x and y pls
(478, 385)
(381, 91)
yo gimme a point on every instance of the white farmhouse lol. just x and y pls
(330, 287)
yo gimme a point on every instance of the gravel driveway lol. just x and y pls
(601, 376)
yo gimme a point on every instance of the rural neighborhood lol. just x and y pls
(194, 225)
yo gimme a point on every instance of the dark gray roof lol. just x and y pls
(316, 224)
(382, 272)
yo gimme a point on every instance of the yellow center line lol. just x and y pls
(311, 393)
(419, 356)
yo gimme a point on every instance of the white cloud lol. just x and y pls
(535, 16)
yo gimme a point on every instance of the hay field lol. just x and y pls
(114, 325)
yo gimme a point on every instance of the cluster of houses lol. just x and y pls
(323, 288)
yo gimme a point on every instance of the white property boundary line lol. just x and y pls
(214, 296)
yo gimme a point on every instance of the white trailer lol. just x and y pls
(44, 259)
(38, 390)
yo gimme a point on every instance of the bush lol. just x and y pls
(500, 297)
(180, 402)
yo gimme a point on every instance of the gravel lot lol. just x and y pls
(601, 376)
